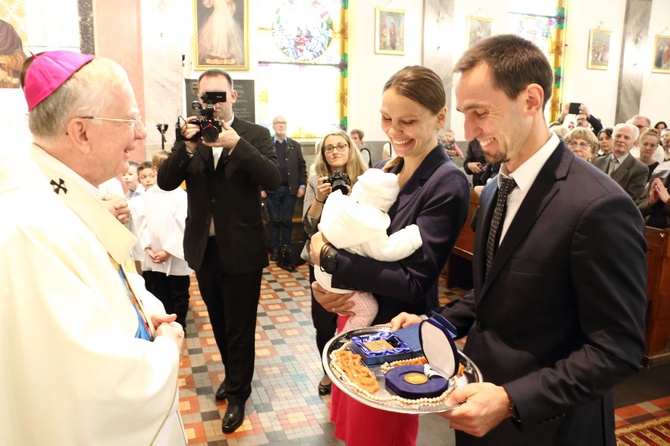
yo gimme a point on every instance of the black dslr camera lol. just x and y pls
(339, 181)
(210, 127)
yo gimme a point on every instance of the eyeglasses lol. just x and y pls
(279, 123)
(131, 122)
(340, 148)
(583, 145)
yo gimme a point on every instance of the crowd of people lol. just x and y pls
(554, 321)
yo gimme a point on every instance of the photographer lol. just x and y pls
(224, 238)
(584, 118)
(338, 165)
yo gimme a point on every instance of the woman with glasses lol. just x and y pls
(434, 195)
(337, 155)
(583, 143)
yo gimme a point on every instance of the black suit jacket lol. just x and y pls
(295, 163)
(229, 193)
(474, 154)
(559, 320)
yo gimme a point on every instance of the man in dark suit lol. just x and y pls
(281, 201)
(629, 172)
(557, 317)
(224, 238)
(475, 163)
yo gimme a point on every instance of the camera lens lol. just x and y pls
(210, 133)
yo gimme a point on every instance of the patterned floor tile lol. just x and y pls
(284, 407)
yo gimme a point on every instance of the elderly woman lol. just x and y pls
(583, 143)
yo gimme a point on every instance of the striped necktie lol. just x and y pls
(506, 186)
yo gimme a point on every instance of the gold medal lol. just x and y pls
(415, 378)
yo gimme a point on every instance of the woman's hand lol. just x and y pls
(663, 194)
(323, 189)
(658, 192)
(333, 302)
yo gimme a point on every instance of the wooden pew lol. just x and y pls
(657, 339)
(458, 272)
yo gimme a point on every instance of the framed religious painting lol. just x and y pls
(222, 34)
(390, 31)
(478, 29)
(661, 54)
(12, 50)
(599, 50)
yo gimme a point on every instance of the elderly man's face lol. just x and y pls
(641, 125)
(112, 141)
(665, 139)
(624, 139)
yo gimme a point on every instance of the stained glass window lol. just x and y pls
(542, 22)
(303, 65)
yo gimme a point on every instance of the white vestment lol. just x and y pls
(72, 371)
(160, 218)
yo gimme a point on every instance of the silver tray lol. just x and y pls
(471, 374)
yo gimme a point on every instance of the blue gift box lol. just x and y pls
(435, 337)
(400, 349)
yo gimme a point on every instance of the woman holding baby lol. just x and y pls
(434, 195)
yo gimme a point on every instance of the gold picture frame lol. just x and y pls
(478, 29)
(599, 50)
(221, 34)
(390, 31)
(661, 61)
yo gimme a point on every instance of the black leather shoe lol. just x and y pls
(274, 256)
(233, 418)
(324, 389)
(222, 393)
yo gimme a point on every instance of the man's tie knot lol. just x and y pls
(506, 186)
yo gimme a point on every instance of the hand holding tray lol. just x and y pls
(384, 399)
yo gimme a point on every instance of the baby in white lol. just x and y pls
(358, 224)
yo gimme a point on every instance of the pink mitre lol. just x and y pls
(50, 70)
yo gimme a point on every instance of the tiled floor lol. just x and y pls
(284, 407)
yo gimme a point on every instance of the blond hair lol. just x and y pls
(355, 165)
(159, 158)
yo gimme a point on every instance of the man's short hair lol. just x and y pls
(636, 131)
(216, 72)
(144, 166)
(637, 117)
(514, 61)
(358, 132)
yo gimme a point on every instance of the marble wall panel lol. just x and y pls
(631, 75)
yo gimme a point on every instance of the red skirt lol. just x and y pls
(358, 424)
